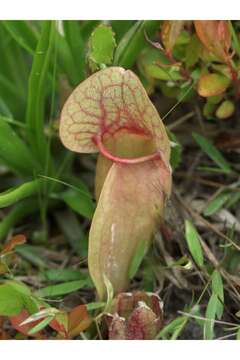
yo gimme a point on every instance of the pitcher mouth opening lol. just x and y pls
(102, 142)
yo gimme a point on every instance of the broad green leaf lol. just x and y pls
(137, 258)
(133, 42)
(80, 202)
(13, 151)
(208, 332)
(11, 301)
(212, 152)
(13, 195)
(61, 289)
(217, 203)
(212, 84)
(101, 46)
(193, 242)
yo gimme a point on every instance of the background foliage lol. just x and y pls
(191, 72)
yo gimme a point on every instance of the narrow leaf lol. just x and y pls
(208, 332)
(137, 258)
(193, 242)
(217, 203)
(61, 289)
(133, 42)
(212, 152)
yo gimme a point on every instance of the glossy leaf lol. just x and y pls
(212, 84)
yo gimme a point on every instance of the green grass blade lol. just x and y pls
(13, 151)
(79, 202)
(13, 195)
(212, 152)
(208, 330)
(37, 91)
(217, 203)
(19, 212)
(133, 42)
(40, 326)
(77, 46)
(137, 258)
(193, 242)
(61, 289)
(236, 42)
(218, 289)
(22, 33)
